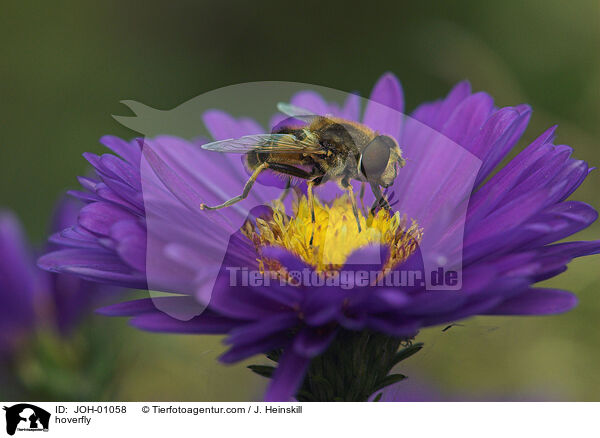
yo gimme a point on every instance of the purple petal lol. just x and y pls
(312, 341)
(130, 239)
(65, 213)
(17, 276)
(222, 126)
(207, 323)
(287, 377)
(122, 170)
(508, 217)
(351, 108)
(388, 299)
(468, 118)
(471, 308)
(322, 306)
(394, 324)
(312, 101)
(436, 114)
(497, 138)
(385, 109)
(371, 256)
(129, 151)
(178, 187)
(241, 302)
(240, 352)
(94, 265)
(537, 302)
(289, 260)
(130, 308)
(99, 217)
(571, 250)
(264, 328)
(559, 221)
(489, 196)
(84, 196)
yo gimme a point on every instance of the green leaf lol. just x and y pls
(378, 397)
(262, 370)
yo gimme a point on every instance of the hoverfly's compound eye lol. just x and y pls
(375, 157)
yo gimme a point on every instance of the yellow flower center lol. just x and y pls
(334, 234)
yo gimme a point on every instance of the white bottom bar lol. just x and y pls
(308, 419)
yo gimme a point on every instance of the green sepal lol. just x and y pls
(262, 370)
(407, 352)
(389, 380)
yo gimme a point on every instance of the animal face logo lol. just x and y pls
(26, 417)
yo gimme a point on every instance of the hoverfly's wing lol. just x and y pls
(272, 143)
(295, 112)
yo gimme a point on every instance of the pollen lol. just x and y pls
(334, 234)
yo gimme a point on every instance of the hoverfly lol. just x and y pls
(324, 149)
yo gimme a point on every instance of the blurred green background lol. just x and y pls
(65, 65)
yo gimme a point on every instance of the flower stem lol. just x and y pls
(355, 366)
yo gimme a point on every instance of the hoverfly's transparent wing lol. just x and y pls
(272, 143)
(295, 112)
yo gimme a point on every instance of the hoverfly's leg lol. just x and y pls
(382, 203)
(285, 192)
(354, 209)
(362, 196)
(244, 194)
(380, 199)
(311, 205)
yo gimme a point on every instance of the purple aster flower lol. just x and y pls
(142, 227)
(32, 298)
(17, 283)
(41, 317)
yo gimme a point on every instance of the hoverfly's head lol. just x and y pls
(380, 159)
